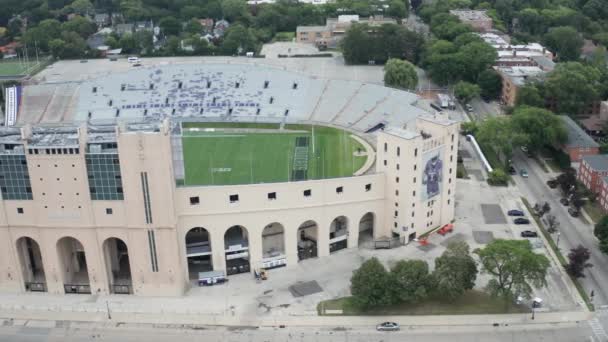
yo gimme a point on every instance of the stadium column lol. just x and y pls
(255, 249)
(353, 232)
(218, 249)
(323, 237)
(291, 244)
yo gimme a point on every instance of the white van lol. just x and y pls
(133, 59)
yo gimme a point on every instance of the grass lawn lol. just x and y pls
(471, 303)
(253, 125)
(15, 68)
(594, 210)
(231, 157)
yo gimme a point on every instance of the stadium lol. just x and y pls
(137, 180)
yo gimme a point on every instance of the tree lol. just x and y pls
(465, 91)
(400, 74)
(490, 83)
(234, 9)
(170, 26)
(238, 38)
(552, 224)
(81, 25)
(82, 7)
(410, 281)
(369, 285)
(476, 57)
(573, 86)
(455, 271)
(541, 127)
(567, 181)
(601, 232)
(397, 9)
(498, 177)
(565, 41)
(514, 266)
(447, 26)
(529, 95)
(578, 261)
(355, 45)
(193, 26)
(498, 134)
(57, 48)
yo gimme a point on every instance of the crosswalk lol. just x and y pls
(596, 326)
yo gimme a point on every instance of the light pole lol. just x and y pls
(108, 308)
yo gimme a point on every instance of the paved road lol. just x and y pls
(483, 109)
(574, 332)
(572, 230)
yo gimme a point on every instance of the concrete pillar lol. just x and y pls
(353, 232)
(218, 253)
(255, 247)
(291, 244)
(323, 237)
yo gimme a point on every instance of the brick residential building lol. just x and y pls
(592, 171)
(579, 143)
(603, 195)
(335, 29)
(513, 78)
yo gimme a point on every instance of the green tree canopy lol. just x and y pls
(455, 270)
(170, 26)
(541, 127)
(81, 25)
(234, 9)
(514, 266)
(573, 86)
(490, 83)
(601, 232)
(410, 281)
(238, 38)
(400, 74)
(499, 134)
(565, 41)
(465, 91)
(369, 285)
(529, 95)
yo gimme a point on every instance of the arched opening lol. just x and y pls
(198, 252)
(366, 230)
(73, 266)
(236, 243)
(273, 246)
(30, 260)
(307, 240)
(338, 234)
(118, 268)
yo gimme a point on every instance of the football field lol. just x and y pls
(236, 156)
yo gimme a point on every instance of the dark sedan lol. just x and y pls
(521, 220)
(515, 212)
(529, 234)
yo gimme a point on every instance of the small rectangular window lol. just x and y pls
(234, 198)
(384, 162)
(272, 196)
(368, 187)
(295, 86)
(109, 211)
(414, 193)
(339, 190)
(415, 152)
(19, 210)
(194, 200)
(396, 213)
(397, 179)
(307, 193)
(266, 83)
(398, 151)
(385, 147)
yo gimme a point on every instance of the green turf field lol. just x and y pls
(224, 157)
(14, 68)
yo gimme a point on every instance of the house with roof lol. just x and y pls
(592, 171)
(206, 24)
(579, 143)
(478, 20)
(513, 78)
(220, 28)
(102, 19)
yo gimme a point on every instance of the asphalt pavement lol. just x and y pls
(573, 231)
(92, 332)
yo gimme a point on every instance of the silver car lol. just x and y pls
(387, 326)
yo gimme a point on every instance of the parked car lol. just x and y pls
(387, 326)
(512, 170)
(524, 149)
(515, 212)
(523, 173)
(528, 234)
(469, 107)
(564, 201)
(521, 220)
(573, 212)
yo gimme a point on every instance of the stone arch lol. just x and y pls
(30, 261)
(366, 229)
(198, 252)
(236, 246)
(308, 236)
(118, 265)
(73, 265)
(273, 246)
(338, 234)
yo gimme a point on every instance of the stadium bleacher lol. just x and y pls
(230, 92)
